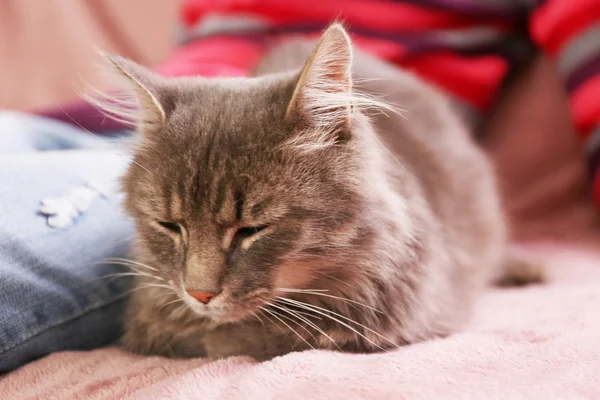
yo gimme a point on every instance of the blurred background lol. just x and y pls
(47, 48)
(47, 53)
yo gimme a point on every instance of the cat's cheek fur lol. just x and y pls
(294, 274)
(166, 254)
(175, 336)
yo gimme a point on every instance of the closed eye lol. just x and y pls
(173, 227)
(245, 233)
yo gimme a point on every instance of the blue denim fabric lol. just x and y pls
(54, 293)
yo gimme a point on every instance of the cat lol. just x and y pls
(300, 209)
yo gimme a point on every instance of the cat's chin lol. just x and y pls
(233, 317)
(220, 316)
(225, 311)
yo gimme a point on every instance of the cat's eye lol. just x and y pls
(173, 227)
(245, 233)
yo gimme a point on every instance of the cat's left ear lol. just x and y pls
(323, 95)
(142, 102)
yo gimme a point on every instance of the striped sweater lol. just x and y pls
(465, 47)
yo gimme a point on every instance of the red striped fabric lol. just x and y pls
(473, 80)
(413, 34)
(384, 15)
(553, 25)
(558, 21)
(585, 105)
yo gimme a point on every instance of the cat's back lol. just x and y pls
(431, 142)
(426, 131)
(426, 135)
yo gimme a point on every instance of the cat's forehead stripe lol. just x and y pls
(226, 214)
(175, 206)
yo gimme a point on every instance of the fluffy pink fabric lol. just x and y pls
(535, 343)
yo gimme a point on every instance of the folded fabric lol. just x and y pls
(539, 342)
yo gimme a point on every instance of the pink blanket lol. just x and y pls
(534, 343)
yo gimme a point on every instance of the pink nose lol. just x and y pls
(202, 297)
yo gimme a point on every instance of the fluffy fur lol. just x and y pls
(322, 217)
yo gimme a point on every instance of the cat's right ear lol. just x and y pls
(139, 102)
(323, 97)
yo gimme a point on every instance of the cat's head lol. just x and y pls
(242, 189)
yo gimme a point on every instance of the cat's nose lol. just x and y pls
(202, 297)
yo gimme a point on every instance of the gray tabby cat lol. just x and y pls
(293, 210)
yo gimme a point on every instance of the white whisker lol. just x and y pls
(290, 319)
(267, 302)
(158, 285)
(165, 294)
(147, 286)
(309, 315)
(177, 300)
(286, 324)
(329, 276)
(317, 308)
(103, 141)
(180, 308)
(125, 239)
(125, 260)
(255, 315)
(345, 300)
(305, 320)
(267, 317)
(137, 273)
(297, 323)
